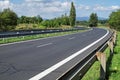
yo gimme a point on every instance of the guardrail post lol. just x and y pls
(3, 39)
(23, 37)
(114, 37)
(111, 45)
(102, 58)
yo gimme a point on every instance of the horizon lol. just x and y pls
(49, 9)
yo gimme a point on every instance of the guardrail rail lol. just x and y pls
(79, 70)
(37, 31)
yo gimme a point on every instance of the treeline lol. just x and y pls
(56, 22)
(93, 21)
(9, 20)
(24, 19)
(114, 20)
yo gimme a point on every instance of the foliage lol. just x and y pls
(72, 15)
(56, 22)
(93, 21)
(82, 23)
(114, 68)
(8, 20)
(25, 26)
(114, 20)
(113, 64)
(28, 20)
(64, 20)
(103, 21)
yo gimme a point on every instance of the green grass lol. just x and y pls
(93, 72)
(114, 70)
(113, 65)
(30, 37)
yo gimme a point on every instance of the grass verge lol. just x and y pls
(113, 65)
(30, 37)
(114, 68)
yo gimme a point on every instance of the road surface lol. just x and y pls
(47, 57)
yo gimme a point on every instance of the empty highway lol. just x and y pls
(48, 59)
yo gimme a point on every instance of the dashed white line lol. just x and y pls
(71, 38)
(59, 64)
(36, 39)
(44, 45)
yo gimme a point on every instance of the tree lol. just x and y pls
(72, 15)
(56, 22)
(1, 23)
(8, 20)
(39, 19)
(93, 21)
(65, 20)
(114, 20)
(103, 21)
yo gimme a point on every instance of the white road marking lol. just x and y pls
(37, 39)
(59, 64)
(71, 38)
(44, 45)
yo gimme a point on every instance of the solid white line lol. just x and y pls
(71, 38)
(59, 64)
(44, 45)
(37, 39)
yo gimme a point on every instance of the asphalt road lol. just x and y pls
(23, 61)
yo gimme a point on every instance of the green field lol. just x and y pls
(113, 65)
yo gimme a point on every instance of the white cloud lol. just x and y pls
(45, 8)
(104, 8)
(5, 4)
(115, 7)
(98, 8)
(52, 8)
(83, 7)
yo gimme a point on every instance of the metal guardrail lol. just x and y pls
(33, 32)
(80, 69)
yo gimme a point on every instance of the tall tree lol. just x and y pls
(93, 21)
(114, 20)
(72, 15)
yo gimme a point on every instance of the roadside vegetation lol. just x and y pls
(10, 21)
(113, 65)
(113, 62)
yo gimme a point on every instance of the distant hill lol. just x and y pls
(87, 18)
(82, 18)
(101, 18)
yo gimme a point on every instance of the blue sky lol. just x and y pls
(55, 8)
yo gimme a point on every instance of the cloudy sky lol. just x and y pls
(54, 8)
